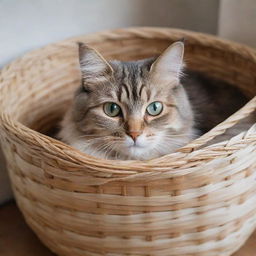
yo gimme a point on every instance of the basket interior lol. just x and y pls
(49, 76)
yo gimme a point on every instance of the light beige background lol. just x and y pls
(29, 24)
(237, 21)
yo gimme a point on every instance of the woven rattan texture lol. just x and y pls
(200, 201)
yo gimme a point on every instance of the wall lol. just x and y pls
(237, 20)
(28, 24)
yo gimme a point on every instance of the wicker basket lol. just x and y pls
(198, 201)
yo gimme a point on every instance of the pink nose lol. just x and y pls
(135, 135)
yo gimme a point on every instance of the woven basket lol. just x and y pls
(195, 202)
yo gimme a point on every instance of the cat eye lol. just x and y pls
(155, 108)
(111, 109)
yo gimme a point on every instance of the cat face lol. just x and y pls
(131, 110)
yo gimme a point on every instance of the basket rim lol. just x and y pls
(134, 167)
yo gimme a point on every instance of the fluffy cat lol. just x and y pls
(142, 109)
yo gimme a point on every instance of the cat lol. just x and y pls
(143, 109)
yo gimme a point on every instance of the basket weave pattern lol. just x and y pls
(200, 201)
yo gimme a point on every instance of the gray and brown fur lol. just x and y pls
(193, 104)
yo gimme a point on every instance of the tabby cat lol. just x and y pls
(143, 109)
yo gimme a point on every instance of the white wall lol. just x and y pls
(28, 24)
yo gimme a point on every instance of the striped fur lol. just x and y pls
(133, 86)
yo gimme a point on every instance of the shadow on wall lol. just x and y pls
(202, 17)
(237, 21)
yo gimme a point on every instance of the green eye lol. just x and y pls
(111, 109)
(155, 108)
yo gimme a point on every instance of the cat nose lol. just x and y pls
(135, 135)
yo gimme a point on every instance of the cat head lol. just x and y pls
(132, 110)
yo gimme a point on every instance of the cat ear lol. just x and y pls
(168, 66)
(94, 67)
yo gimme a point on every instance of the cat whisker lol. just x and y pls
(93, 135)
(107, 148)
